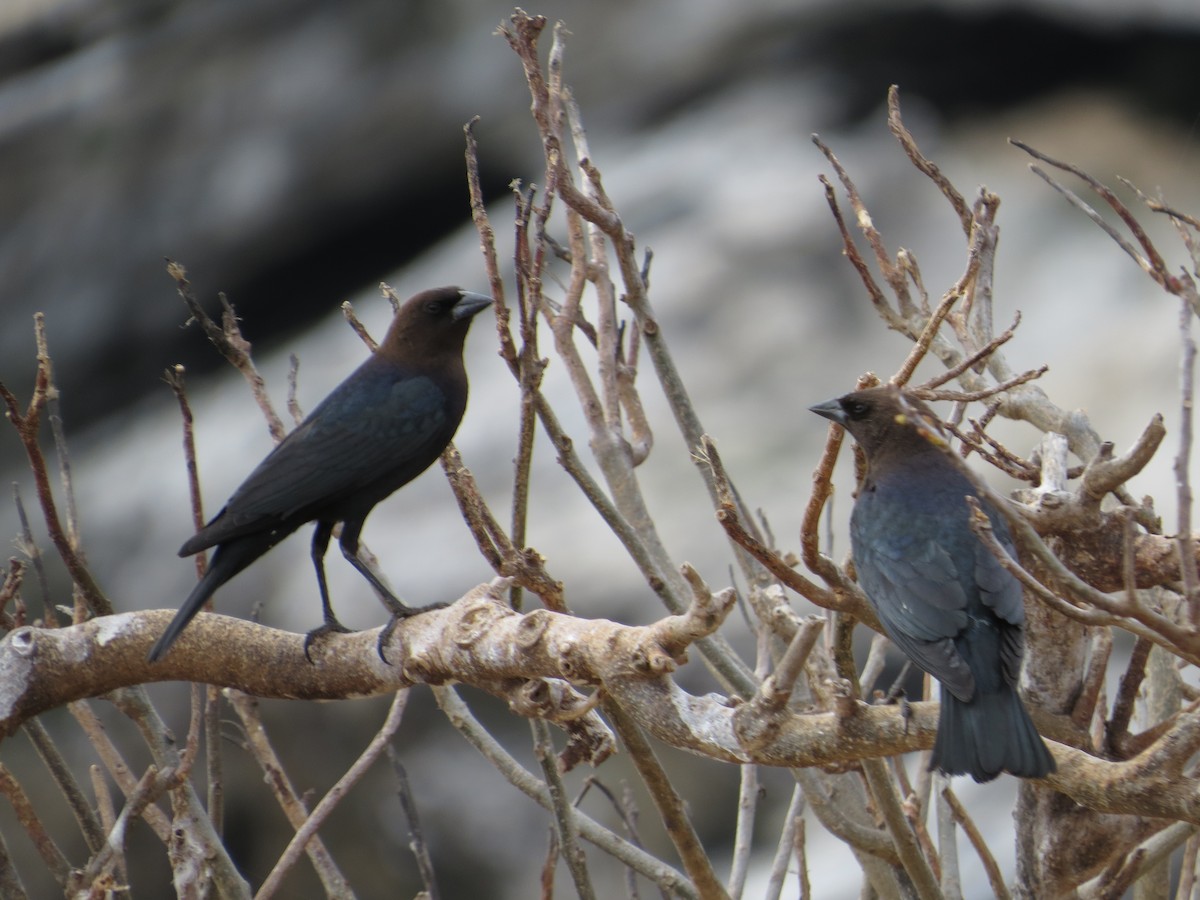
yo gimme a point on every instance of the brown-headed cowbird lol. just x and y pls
(378, 430)
(941, 596)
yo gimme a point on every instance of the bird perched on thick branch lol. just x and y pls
(378, 430)
(941, 596)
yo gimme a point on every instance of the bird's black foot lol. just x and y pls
(331, 626)
(399, 612)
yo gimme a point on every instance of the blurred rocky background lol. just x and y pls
(292, 153)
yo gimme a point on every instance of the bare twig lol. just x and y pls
(26, 424)
(292, 804)
(1183, 483)
(56, 764)
(356, 324)
(743, 834)
(968, 362)
(947, 839)
(810, 541)
(293, 383)
(487, 244)
(417, 844)
(959, 812)
(112, 854)
(230, 343)
(528, 268)
(565, 829)
(189, 813)
(671, 808)
(117, 768)
(802, 859)
(29, 820)
(64, 473)
(592, 227)
(29, 546)
(330, 801)
(525, 566)
(786, 845)
(1104, 608)
(925, 165)
(212, 699)
(892, 273)
(1152, 263)
(888, 803)
(634, 857)
(10, 592)
(1093, 680)
(1128, 868)
(104, 806)
(626, 808)
(10, 880)
(1187, 869)
(925, 338)
(1117, 727)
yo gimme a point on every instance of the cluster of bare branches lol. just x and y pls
(1095, 561)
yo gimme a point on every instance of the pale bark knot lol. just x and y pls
(416, 670)
(476, 622)
(569, 662)
(641, 661)
(22, 641)
(533, 626)
(752, 729)
(658, 662)
(532, 699)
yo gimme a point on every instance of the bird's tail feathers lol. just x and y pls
(226, 562)
(988, 735)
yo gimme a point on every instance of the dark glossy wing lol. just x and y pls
(931, 580)
(1000, 591)
(915, 588)
(368, 427)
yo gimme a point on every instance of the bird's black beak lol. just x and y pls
(831, 410)
(469, 303)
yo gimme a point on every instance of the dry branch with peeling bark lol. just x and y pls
(1095, 561)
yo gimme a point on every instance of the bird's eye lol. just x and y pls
(856, 409)
(433, 307)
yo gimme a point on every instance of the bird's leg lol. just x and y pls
(896, 694)
(320, 544)
(896, 691)
(397, 607)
